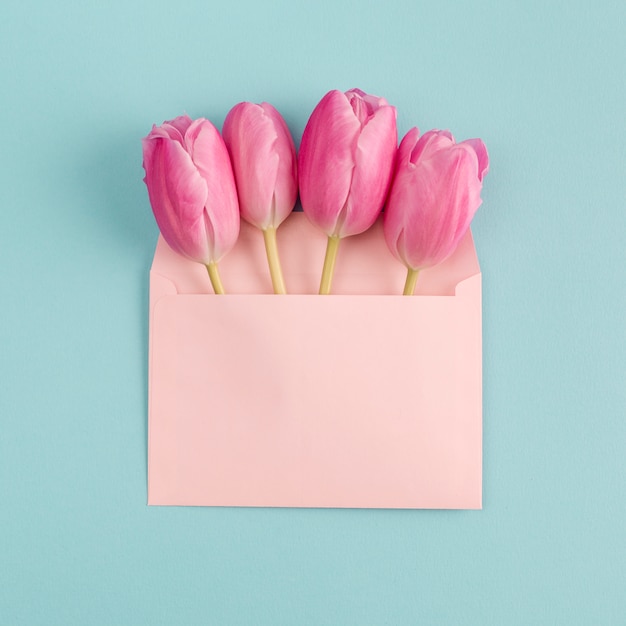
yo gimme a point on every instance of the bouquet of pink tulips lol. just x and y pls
(348, 169)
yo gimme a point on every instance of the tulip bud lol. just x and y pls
(263, 156)
(345, 166)
(192, 190)
(434, 196)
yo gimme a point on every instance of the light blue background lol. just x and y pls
(81, 83)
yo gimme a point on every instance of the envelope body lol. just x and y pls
(362, 399)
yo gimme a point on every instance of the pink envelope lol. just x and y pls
(361, 399)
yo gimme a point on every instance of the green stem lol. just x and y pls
(271, 249)
(411, 280)
(329, 264)
(214, 275)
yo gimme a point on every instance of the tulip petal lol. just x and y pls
(173, 129)
(286, 187)
(327, 160)
(431, 142)
(179, 124)
(221, 211)
(148, 147)
(361, 108)
(375, 154)
(177, 195)
(483, 157)
(399, 209)
(371, 102)
(407, 145)
(251, 139)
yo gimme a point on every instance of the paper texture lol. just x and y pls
(363, 399)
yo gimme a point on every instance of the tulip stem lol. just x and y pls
(411, 280)
(214, 275)
(329, 264)
(271, 248)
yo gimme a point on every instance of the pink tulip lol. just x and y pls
(345, 166)
(434, 196)
(192, 190)
(264, 161)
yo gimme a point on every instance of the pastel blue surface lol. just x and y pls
(541, 83)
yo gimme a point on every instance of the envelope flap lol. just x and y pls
(364, 264)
